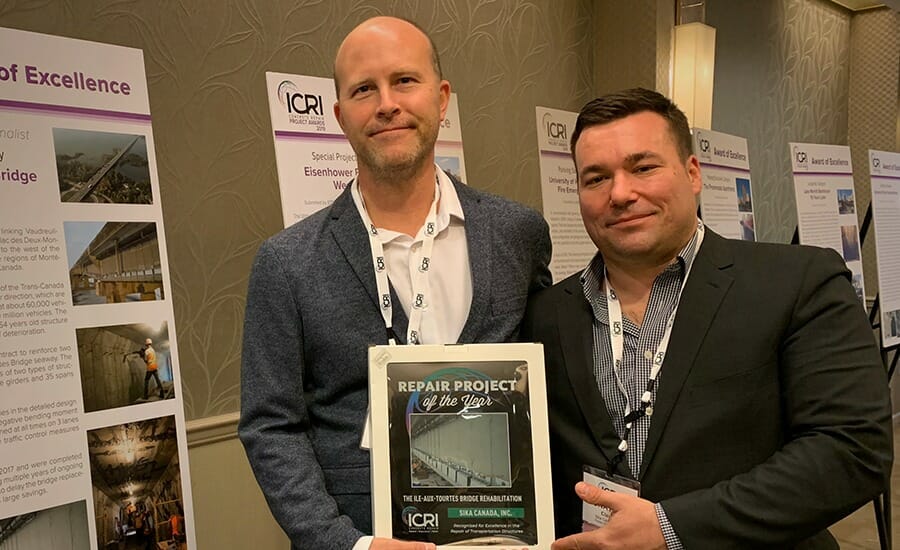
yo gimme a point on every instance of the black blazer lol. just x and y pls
(772, 418)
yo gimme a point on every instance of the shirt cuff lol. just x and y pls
(364, 542)
(672, 540)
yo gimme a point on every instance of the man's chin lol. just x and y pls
(396, 167)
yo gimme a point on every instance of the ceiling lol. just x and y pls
(859, 5)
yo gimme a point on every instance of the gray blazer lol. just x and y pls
(312, 312)
(772, 419)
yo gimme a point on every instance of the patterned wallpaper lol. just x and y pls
(873, 108)
(626, 44)
(782, 71)
(205, 64)
(782, 74)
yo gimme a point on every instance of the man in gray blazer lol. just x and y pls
(405, 253)
(738, 383)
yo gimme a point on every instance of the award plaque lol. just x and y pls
(460, 452)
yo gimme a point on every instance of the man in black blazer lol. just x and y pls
(740, 383)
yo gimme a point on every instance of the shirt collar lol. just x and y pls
(592, 276)
(448, 207)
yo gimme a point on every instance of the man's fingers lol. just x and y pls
(566, 543)
(599, 497)
(416, 545)
(379, 543)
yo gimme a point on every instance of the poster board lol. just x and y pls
(884, 170)
(726, 200)
(826, 204)
(572, 247)
(91, 416)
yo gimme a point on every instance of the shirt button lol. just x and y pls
(648, 355)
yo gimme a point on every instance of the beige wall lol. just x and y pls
(782, 75)
(229, 508)
(632, 44)
(873, 108)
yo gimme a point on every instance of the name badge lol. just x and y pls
(593, 516)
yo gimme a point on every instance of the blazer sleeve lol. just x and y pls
(274, 425)
(543, 250)
(837, 452)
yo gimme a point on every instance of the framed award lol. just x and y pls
(460, 452)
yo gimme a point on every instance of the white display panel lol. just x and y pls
(884, 169)
(91, 415)
(826, 203)
(572, 247)
(726, 200)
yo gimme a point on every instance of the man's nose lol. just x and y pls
(387, 106)
(621, 190)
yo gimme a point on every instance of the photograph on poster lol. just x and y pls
(102, 167)
(745, 201)
(449, 165)
(125, 365)
(850, 243)
(459, 450)
(113, 262)
(846, 204)
(64, 526)
(748, 233)
(136, 483)
(891, 324)
(857, 282)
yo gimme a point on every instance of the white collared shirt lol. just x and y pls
(450, 276)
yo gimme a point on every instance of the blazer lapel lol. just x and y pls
(707, 286)
(478, 232)
(576, 337)
(353, 241)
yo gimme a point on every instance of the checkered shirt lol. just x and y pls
(640, 344)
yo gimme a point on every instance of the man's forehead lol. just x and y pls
(378, 32)
(644, 131)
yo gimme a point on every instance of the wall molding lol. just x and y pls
(213, 429)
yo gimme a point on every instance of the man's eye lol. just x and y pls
(595, 180)
(645, 168)
(362, 89)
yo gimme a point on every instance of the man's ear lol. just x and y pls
(337, 113)
(444, 90)
(693, 172)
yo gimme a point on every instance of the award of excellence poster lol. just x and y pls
(826, 204)
(465, 457)
(884, 170)
(314, 160)
(726, 200)
(91, 420)
(572, 247)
